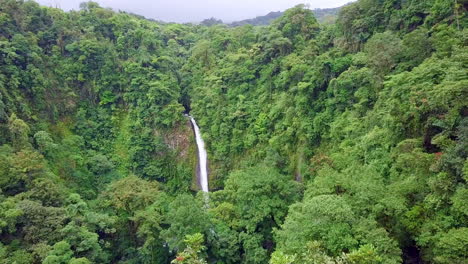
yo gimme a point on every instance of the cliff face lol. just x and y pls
(180, 141)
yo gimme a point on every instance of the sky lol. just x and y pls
(196, 10)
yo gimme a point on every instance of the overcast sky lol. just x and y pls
(197, 10)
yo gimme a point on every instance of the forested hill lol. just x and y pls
(325, 15)
(259, 20)
(340, 143)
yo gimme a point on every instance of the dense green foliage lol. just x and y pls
(338, 143)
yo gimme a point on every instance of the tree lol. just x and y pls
(326, 218)
(450, 247)
(83, 242)
(26, 166)
(3, 114)
(40, 223)
(211, 22)
(130, 194)
(19, 132)
(61, 253)
(297, 21)
(193, 250)
(137, 204)
(261, 196)
(45, 143)
(9, 216)
(185, 216)
(279, 257)
(384, 51)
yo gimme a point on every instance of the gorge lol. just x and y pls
(343, 142)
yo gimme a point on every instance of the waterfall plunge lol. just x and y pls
(202, 157)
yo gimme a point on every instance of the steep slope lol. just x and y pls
(343, 143)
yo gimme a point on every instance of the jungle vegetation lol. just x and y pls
(328, 143)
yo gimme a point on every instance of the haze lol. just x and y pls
(196, 10)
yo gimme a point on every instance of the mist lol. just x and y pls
(183, 11)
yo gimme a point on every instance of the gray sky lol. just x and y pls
(197, 10)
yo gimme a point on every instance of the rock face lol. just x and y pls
(182, 141)
(179, 139)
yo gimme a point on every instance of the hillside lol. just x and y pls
(259, 20)
(325, 16)
(344, 143)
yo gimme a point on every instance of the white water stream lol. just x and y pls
(202, 157)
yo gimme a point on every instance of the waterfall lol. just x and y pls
(202, 157)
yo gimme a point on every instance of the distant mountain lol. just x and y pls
(258, 21)
(211, 22)
(324, 16)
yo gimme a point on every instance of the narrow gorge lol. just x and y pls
(334, 136)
